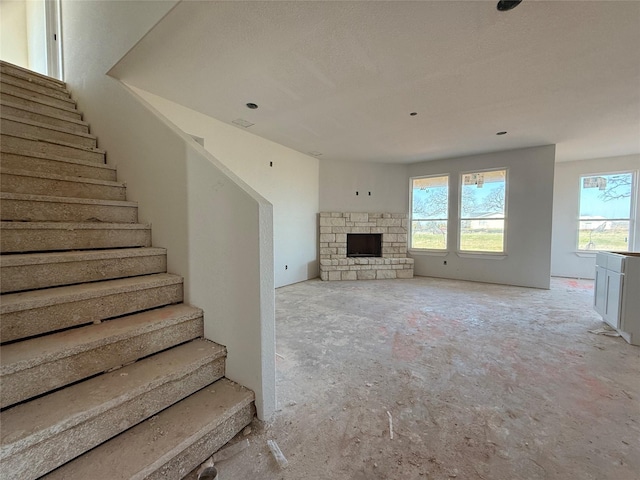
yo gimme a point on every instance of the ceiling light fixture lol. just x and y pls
(413, 114)
(504, 5)
(252, 106)
(501, 133)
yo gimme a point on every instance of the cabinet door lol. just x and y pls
(614, 298)
(600, 291)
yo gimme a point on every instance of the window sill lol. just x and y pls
(585, 254)
(431, 253)
(482, 255)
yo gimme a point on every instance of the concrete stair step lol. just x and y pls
(171, 444)
(22, 111)
(40, 365)
(21, 207)
(53, 164)
(34, 183)
(20, 72)
(9, 86)
(29, 128)
(47, 432)
(29, 84)
(24, 145)
(39, 105)
(22, 237)
(36, 312)
(45, 270)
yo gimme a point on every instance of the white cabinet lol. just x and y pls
(600, 298)
(613, 298)
(617, 292)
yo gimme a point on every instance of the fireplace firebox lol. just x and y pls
(364, 245)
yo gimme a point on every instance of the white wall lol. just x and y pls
(291, 184)
(528, 233)
(36, 41)
(13, 32)
(339, 182)
(565, 261)
(217, 230)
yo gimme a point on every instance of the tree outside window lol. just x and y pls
(483, 211)
(429, 212)
(605, 211)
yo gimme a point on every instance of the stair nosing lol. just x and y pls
(94, 336)
(46, 297)
(27, 87)
(77, 416)
(58, 158)
(55, 142)
(34, 81)
(32, 73)
(3, 80)
(61, 178)
(41, 101)
(23, 259)
(46, 126)
(8, 103)
(73, 226)
(72, 200)
(244, 398)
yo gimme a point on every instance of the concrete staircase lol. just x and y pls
(104, 372)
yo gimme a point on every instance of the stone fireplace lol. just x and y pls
(364, 246)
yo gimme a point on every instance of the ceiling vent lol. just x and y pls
(242, 123)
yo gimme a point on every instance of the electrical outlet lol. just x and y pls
(286, 267)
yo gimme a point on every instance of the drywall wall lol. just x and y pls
(286, 178)
(36, 41)
(565, 259)
(529, 213)
(339, 182)
(13, 32)
(217, 230)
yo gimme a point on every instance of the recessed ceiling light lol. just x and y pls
(501, 133)
(504, 5)
(252, 106)
(413, 114)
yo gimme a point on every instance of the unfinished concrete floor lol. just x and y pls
(482, 382)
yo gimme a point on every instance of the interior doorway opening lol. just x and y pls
(31, 35)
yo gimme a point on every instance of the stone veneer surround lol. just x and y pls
(334, 263)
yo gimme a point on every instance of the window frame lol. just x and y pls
(473, 253)
(444, 219)
(632, 211)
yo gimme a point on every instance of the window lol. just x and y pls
(483, 211)
(429, 212)
(605, 211)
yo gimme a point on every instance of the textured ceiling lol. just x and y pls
(341, 78)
